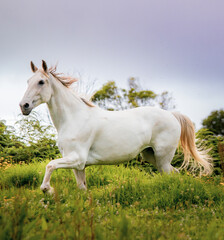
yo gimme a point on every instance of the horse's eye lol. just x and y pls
(41, 82)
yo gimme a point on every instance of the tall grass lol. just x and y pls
(121, 203)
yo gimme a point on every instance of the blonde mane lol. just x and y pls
(67, 81)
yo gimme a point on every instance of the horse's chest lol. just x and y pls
(67, 144)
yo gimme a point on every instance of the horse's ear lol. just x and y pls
(33, 67)
(44, 66)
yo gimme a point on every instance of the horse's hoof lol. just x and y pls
(82, 187)
(47, 189)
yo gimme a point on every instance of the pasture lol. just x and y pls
(120, 203)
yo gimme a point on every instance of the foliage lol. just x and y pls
(31, 129)
(111, 97)
(29, 140)
(7, 138)
(215, 122)
(118, 201)
(209, 141)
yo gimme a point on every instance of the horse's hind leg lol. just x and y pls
(80, 178)
(148, 156)
(163, 159)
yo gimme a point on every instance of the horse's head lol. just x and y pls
(38, 91)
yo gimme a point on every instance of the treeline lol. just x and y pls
(32, 140)
(29, 140)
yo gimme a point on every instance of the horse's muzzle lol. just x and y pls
(25, 108)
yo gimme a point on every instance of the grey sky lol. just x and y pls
(169, 45)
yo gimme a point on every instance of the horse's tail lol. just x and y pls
(190, 150)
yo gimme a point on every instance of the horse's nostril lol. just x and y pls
(26, 105)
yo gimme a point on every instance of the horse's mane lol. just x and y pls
(67, 81)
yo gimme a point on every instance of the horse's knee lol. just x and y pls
(50, 167)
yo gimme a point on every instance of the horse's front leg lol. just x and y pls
(80, 178)
(72, 161)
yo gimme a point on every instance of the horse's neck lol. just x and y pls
(65, 108)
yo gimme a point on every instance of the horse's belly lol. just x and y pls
(114, 153)
(95, 159)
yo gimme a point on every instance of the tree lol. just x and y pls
(108, 97)
(30, 140)
(166, 101)
(31, 129)
(5, 135)
(111, 97)
(215, 144)
(215, 122)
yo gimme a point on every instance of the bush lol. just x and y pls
(33, 141)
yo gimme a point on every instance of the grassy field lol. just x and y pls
(121, 203)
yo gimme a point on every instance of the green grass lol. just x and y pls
(121, 203)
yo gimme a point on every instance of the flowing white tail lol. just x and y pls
(187, 140)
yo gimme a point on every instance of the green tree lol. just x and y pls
(136, 96)
(165, 101)
(6, 135)
(111, 97)
(208, 140)
(30, 140)
(108, 97)
(215, 122)
(31, 129)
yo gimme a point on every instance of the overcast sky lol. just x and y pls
(169, 45)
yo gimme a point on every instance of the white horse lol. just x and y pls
(88, 135)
